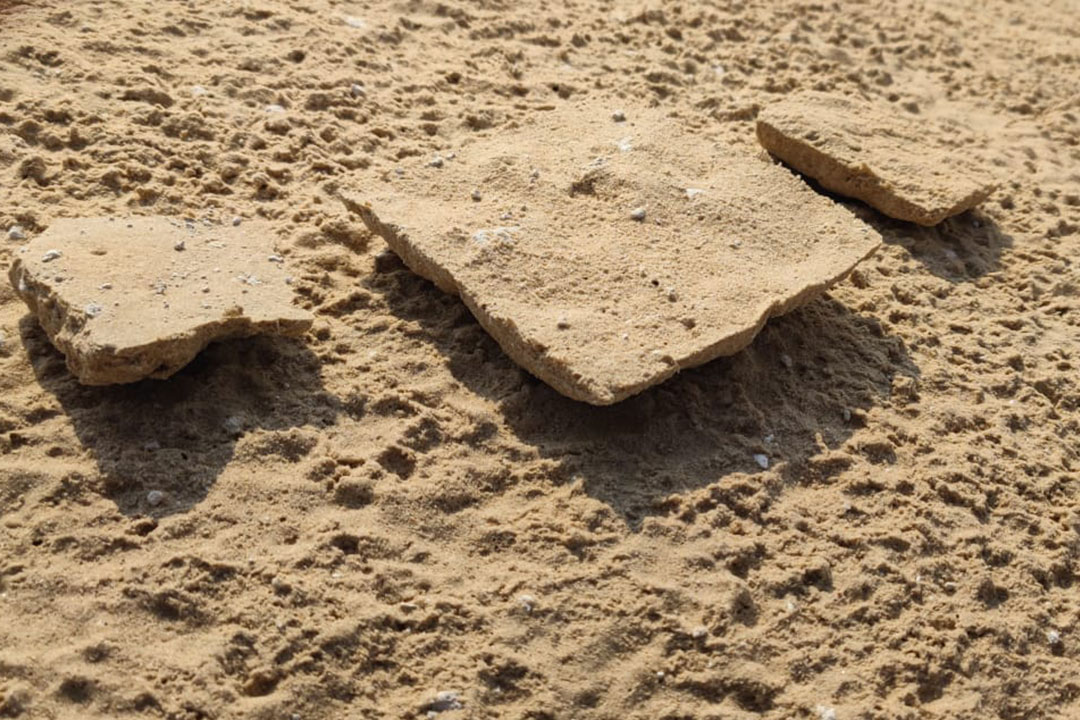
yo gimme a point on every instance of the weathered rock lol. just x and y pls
(127, 299)
(595, 299)
(874, 154)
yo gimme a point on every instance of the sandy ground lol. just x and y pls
(390, 509)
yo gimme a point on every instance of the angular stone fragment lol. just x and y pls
(127, 299)
(594, 298)
(874, 154)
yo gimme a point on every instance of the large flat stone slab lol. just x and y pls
(130, 298)
(873, 153)
(606, 256)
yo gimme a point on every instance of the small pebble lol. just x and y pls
(1053, 637)
(354, 22)
(105, 286)
(692, 193)
(476, 195)
(445, 700)
(700, 632)
(179, 246)
(618, 116)
(155, 497)
(638, 214)
(16, 233)
(847, 415)
(198, 90)
(93, 310)
(528, 602)
(563, 324)
(436, 162)
(357, 90)
(51, 255)
(275, 108)
(276, 259)
(236, 221)
(825, 713)
(762, 460)
(786, 360)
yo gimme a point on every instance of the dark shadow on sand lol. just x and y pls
(177, 435)
(801, 388)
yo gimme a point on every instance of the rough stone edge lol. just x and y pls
(859, 182)
(61, 323)
(551, 371)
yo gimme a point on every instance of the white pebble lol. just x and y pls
(16, 233)
(700, 632)
(275, 108)
(436, 162)
(276, 259)
(198, 90)
(357, 90)
(638, 214)
(155, 497)
(237, 220)
(446, 700)
(762, 460)
(825, 713)
(355, 22)
(93, 310)
(528, 602)
(51, 255)
(618, 116)
(179, 246)
(692, 193)
(1053, 637)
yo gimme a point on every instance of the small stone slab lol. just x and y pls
(127, 299)
(606, 256)
(874, 154)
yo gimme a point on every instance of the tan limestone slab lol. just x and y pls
(606, 256)
(129, 298)
(878, 154)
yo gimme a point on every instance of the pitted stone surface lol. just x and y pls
(129, 298)
(873, 153)
(605, 257)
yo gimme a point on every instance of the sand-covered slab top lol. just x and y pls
(874, 153)
(130, 298)
(606, 256)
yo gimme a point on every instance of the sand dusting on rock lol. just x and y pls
(609, 260)
(870, 512)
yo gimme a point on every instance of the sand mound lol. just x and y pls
(874, 154)
(127, 299)
(605, 256)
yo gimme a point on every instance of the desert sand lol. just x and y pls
(870, 512)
